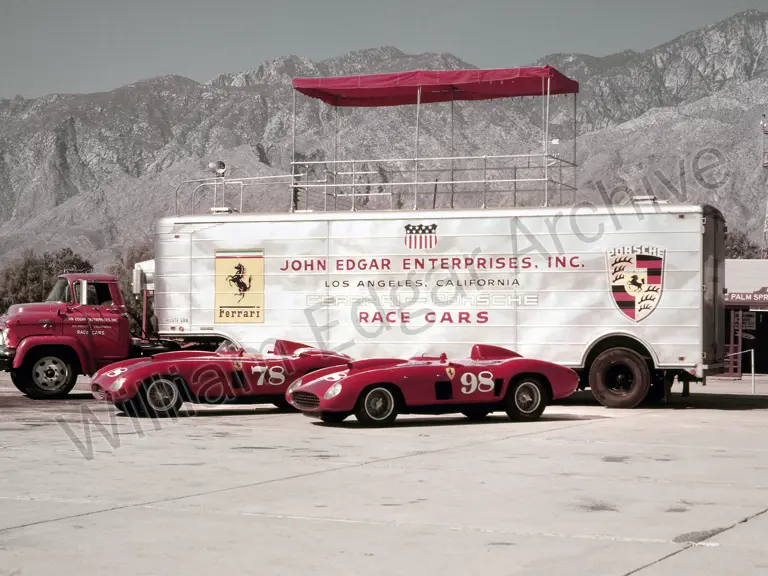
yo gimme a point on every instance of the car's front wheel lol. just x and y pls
(161, 397)
(376, 406)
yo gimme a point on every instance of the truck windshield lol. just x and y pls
(59, 292)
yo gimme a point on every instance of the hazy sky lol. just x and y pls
(93, 45)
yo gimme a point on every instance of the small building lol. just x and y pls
(746, 304)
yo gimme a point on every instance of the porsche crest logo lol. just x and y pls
(636, 279)
(451, 372)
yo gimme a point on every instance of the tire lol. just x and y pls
(620, 378)
(334, 417)
(46, 375)
(476, 414)
(376, 406)
(161, 397)
(526, 399)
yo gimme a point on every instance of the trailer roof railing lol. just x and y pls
(544, 177)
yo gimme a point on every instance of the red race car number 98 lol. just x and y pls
(470, 383)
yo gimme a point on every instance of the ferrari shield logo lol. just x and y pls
(451, 372)
(636, 279)
(239, 285)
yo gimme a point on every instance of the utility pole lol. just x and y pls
(764, 160)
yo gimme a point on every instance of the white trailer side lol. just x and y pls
(561, 284)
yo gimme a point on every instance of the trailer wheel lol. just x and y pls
(620, 378)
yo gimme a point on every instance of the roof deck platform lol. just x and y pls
(541, 177)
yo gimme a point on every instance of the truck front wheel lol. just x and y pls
(619, 378)
(46, 375)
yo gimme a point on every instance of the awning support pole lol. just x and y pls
(546, 147)
(575, 131)
(416, 180)
(293, 154)
(453, 153)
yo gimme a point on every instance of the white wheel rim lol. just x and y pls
(50, 374)
(527, 398)
(162, 395)
(379, 404)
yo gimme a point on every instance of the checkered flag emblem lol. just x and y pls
(420, 236)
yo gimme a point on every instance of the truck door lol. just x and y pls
(102, 326)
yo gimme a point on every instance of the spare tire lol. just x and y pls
(620, 378)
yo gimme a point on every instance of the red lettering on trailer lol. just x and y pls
(391, 317)
(304, 265)
(363, 264)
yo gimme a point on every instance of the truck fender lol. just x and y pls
(607, 335)
(66, 341)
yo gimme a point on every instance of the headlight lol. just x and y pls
(117, 383)
(296, 384)
(333, 391)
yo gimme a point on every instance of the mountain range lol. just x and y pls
(93, 171)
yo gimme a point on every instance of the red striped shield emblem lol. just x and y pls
(636, 279)
(420, 236)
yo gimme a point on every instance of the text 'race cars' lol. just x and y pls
(158, 385)
(378, 389)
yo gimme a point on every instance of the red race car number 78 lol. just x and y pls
(275, 375)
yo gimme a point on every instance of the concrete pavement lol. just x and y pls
(678, 489)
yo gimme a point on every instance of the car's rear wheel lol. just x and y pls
(476, 413)
(526, 399)
(161, 397)
(377, 406)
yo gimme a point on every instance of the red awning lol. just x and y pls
(436, 86)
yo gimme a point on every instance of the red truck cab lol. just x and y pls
(80, 327)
